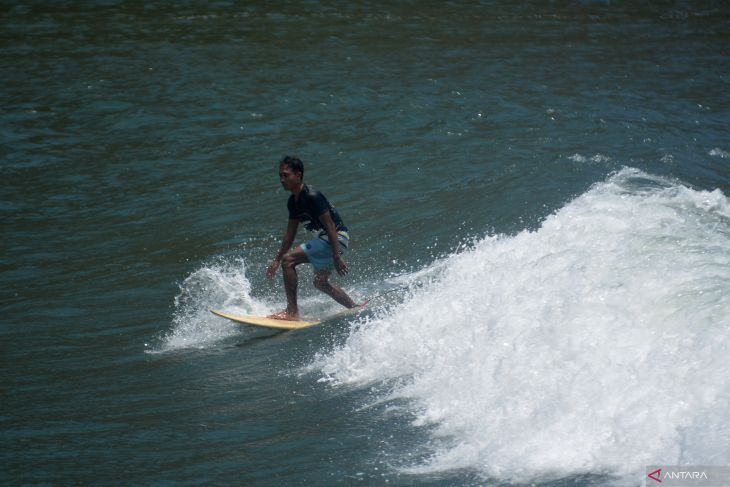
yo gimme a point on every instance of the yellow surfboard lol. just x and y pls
(264, 322)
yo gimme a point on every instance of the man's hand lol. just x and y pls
(273, 267)
(340, 265)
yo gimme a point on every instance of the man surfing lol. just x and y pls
(311, 207)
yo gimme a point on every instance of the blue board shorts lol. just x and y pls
(319, 252)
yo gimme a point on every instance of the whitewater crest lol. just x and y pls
(596, 343)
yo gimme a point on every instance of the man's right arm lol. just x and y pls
(286, 243)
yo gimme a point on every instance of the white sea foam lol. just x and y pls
(597, 343)
(597, 158)
(717, 152)
(221, 285)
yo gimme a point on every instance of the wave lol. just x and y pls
(597, 343)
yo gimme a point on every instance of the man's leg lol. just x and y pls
(288, 266)
(321, 282)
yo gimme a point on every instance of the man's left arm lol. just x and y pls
(329, 226)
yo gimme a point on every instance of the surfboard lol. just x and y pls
(274, 324)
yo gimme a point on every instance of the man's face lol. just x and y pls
(289, 179)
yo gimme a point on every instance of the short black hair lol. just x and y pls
(294, 163)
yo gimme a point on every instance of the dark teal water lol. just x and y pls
(139, 188)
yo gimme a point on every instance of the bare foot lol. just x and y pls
(283, 315)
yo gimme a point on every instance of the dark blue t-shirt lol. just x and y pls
(311, 205)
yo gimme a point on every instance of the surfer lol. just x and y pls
(310, 207)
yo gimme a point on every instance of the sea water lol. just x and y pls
(537, 195)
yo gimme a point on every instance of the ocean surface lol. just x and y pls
(538, 198)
